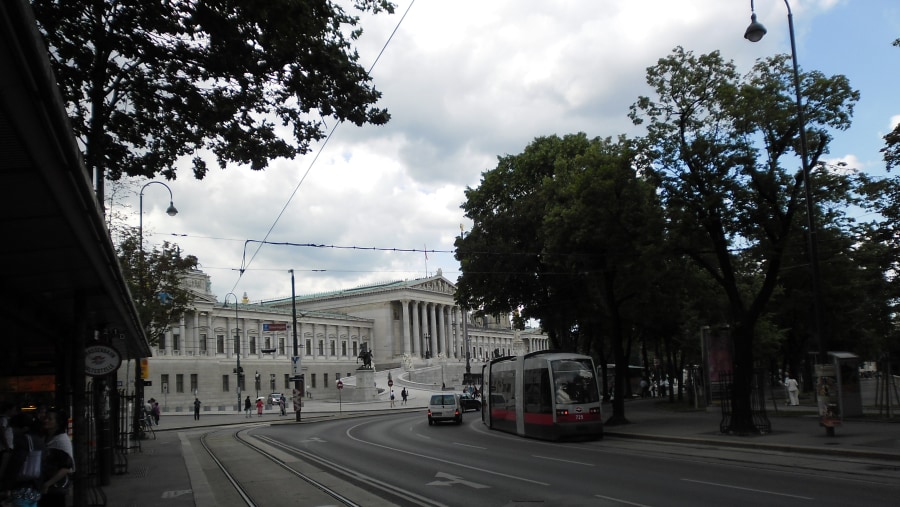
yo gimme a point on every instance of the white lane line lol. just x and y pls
(470, 446)
(619, 500)
(749, 489)
(349, 433)
(563, 460)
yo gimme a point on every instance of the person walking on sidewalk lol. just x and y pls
(259, 407)
(247, 407)
(392, 398)
(792, 388)
(196, 409)
(403, 396)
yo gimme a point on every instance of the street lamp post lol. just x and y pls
(466, 339)
(138, 373)
(237, 347)
(755, 33)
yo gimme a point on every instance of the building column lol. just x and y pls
(416, 330)
(404, 322)
(432, 329)
(441, 336)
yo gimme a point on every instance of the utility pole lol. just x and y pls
(298, 373)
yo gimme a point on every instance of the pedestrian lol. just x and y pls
(281, 404)
(155, 413)
(247, 407)
(644, 388)
(24, 489)
(403, 395)
(148, 411)
(259, 407)
(196, 409)
(793, 389)
(59, 461)
(392, 398)
(7, 411)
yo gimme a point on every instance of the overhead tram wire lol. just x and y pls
(312, 163)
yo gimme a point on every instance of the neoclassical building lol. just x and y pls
(404, 323)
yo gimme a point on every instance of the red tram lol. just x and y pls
(547, 395)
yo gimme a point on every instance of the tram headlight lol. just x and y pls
(562, 411)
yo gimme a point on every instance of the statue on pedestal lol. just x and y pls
(366, 356)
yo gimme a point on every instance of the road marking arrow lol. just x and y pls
(454, 480)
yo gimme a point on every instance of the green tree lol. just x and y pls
(156, 282)
(568, 232)
(722, 194)
(150, 82)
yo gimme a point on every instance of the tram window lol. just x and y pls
(537, 391)
(575, 382)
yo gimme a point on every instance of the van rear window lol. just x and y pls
(443, 399)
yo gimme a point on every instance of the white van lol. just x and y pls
(444, 407)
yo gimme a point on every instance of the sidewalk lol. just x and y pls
(794, 429)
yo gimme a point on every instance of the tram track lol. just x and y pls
(276, 470)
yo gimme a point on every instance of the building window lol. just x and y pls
(321, 347)
(225, 380)
(281, 346)
(268, 342)
(312, 380)
(287, 381)
(161, 342)
(164, 383)
(176, 342)
(333, 348)
(308, 349)
(194, 383)
(253, 345)
(325, 380)
(237, 345)
(337, 376)
(355, 349)
(344, 349)
(220, 344)
(203, 347)
(179, 383)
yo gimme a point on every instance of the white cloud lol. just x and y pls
(465, 81)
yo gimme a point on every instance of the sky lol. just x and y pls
(466, 82)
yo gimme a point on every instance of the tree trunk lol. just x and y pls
(741, 407)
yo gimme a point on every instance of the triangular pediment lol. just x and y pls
(434, 284)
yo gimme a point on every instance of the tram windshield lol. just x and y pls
(574, 381)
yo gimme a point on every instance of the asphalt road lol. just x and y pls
(471, 465)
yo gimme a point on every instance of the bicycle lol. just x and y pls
(146, 429)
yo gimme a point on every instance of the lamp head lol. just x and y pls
(171, 211)
(755, 31)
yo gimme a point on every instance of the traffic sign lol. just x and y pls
(390, 383)
(340, 385)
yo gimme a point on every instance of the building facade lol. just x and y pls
(406, 324)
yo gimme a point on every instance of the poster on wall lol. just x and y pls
(827, 395)
(719, 354)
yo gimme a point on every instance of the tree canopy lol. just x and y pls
(150, 82)
(567, 233)
(160, 294)
(732, 206)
